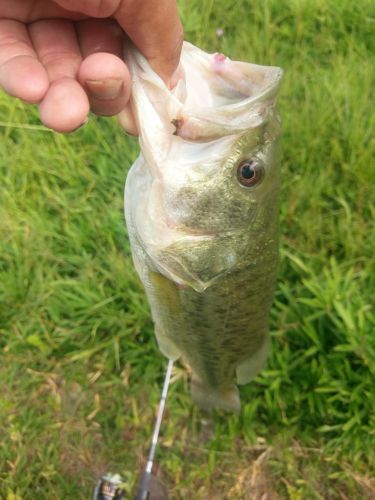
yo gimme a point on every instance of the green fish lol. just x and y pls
(202, 209)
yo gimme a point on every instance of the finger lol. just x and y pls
(100, 35)
(28, 11)
(21, 74)
(65, 106)
(153, 25)
(92, 8)
(127, 121)
(103, 74)
(107, 82)
(155, 28)
(66, 118)
(56, 44)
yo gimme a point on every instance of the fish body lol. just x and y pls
(201, 205)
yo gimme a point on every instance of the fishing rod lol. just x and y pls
(111, 486)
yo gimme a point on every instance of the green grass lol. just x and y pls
(79, 368)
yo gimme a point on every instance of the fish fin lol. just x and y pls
(209, 398)
(167, 346)
(250, 368)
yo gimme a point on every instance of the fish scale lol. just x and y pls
(201, 206)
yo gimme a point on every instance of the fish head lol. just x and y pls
(210, 177)
(216, 187)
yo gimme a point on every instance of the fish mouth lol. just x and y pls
(236, 97)
(207, 124)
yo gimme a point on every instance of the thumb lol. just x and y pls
(155, 28)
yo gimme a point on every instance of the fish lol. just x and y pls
(202, 212)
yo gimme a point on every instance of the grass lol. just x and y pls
(79, 368)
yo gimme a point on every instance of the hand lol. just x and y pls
(66, 55)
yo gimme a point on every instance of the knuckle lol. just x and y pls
(61, 57)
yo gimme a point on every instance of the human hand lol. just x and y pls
(66, 55)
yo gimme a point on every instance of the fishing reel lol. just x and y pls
(110, 487)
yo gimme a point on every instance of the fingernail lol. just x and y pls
(81, 126)
(105, 90)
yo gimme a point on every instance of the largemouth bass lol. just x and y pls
(201, 205)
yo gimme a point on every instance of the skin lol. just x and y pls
(224, 327)
(66, 55)
(205, 242)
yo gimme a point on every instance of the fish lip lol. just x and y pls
(193, 123)
(271, 88)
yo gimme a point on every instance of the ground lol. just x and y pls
(80, 370)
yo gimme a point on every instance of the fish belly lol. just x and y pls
(221, 333)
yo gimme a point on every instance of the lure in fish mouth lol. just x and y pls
(201, 207)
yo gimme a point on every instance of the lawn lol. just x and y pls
(80, 370)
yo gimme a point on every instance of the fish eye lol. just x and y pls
(250, 172)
